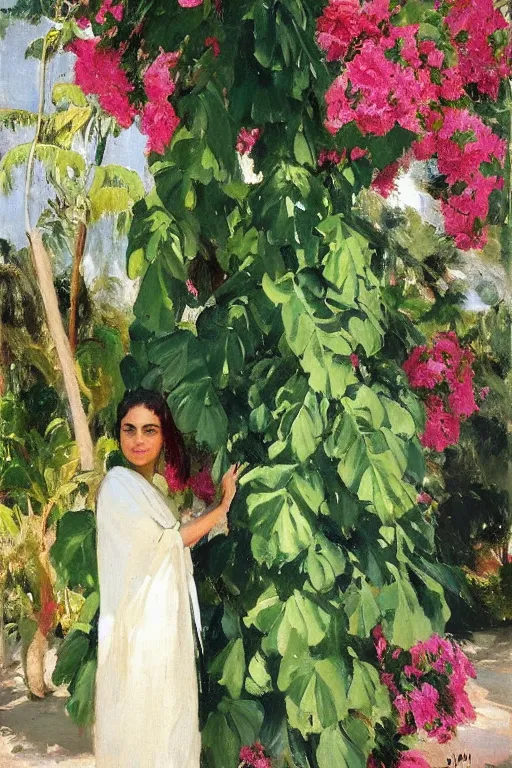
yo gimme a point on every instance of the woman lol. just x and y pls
(146, 684)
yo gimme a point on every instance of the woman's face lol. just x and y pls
(141, 438)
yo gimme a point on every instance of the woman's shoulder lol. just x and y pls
(116, 477)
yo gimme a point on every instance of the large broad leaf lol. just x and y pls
(316, 689)
(373, 460)
(258, 680)
(70, 656)
(193, 399)
(232, 725)
(281, 528)
(405, 621)
(278, 620)
(337, 749)
(228, 667)
(302, 421)
(74, 551)
(366, 693)
(321, 348)
(80, 705)
(361, 607)
(324, 563)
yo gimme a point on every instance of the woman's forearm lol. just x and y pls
(193, 531)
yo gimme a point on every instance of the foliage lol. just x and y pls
(288, 364)
(265, 314)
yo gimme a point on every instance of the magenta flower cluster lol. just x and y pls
(443, 374)
(392, 76)
(427, 685)
(254, 757)
(201, 484)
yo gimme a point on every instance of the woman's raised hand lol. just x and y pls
(228, 484)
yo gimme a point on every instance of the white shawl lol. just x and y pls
(146, 684)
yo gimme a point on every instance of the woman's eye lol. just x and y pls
(151, 432)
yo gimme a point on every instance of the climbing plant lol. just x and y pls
(263, 312)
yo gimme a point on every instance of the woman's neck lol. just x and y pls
(146, 472)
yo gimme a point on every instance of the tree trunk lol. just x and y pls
(34, 669)
(44, 274)
(81, 237)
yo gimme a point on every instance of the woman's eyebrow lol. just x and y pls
(128, 424)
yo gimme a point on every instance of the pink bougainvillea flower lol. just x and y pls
(117, 11)
(255, 756)
(424, 498)
(354, 359)
(83, 22)
(202, 485)
(213, 43)
(330, 157)
(175, 484)
(357, 153)
(412, 759)
(372, 762)
(192, 289)
(388, 679)
(424, 703)
(159, 122)
(384, 182)
(442, 429)
(157, 79)
(98, 71)
(484, 392)
(246, 140)
(379, 641)
(190, 3)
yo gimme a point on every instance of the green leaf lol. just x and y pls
(258, 680)
(81, 703)
(8, 524)
(17, 118)
(70, 656)
(373, 461)
(324, 563)
(74, 551)
(279, 620)
(68, 93)
(57, 162)
(232, 725)
(62, 126)
(301, 424)
(228, 667)
(193, 399)
(335, 748)
(367, 694)
(316, 689)
(361, 608)
(405, 621)
(281, 530)
(114, 190)
(400, 420)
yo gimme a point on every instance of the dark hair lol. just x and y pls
(174, 447)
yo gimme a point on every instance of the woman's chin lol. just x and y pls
(139, 460)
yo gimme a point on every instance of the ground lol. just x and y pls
(38, 733)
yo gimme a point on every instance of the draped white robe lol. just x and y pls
(146, 685)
